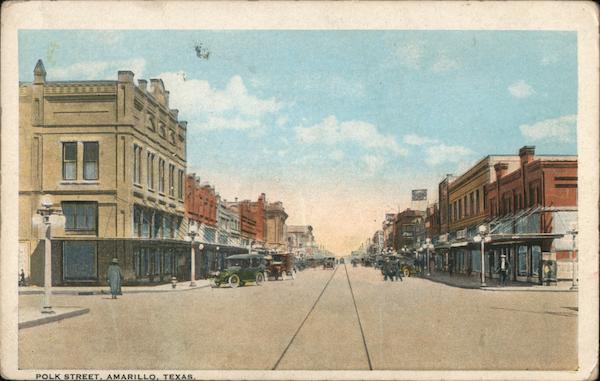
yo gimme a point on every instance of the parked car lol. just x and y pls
(239, 270)
(329, 263)
(280, 265)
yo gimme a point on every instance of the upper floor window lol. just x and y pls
(172, 137)
(161, 175)
(80, 215)
(171, 180)
(69, 168)
(90, 160)
(150, 170)
(137, 164)
(162, 131)
(150, 124)
(180, 185)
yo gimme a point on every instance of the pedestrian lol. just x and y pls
(503, 269)
(385, 269)
(398, 269)
(114, 278)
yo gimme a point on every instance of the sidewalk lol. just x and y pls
(30, 316)
(463, 281)
(105, 290)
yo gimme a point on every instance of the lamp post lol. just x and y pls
(573, 232)
(46, 212)
(482, 237)
(192, 233)
(427, 246)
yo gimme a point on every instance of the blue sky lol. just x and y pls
(339, 125)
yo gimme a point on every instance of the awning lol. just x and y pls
(459, 244)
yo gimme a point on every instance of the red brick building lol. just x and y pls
(530, 210)
(200, 201)
(252, 219)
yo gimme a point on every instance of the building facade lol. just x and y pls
(409, 227)
(275, 216)
(111, 155)
(300, 239)
(531, 211)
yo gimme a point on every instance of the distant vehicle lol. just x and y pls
(341, 261)
(280, 265)
(329, 263)
(239, 270)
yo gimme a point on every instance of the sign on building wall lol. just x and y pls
(419, 194)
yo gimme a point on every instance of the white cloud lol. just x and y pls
(442, 153)
(91, 70)
(444, 64)
(282, 120)
(337, 155)
(209, 108)
(416, 140)
(562, 129)
(335, 85)
(236, 123)
(521, 89)
(410, 55)
(331, 132)
(549, 59)
(373, 163)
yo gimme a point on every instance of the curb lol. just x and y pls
(106, 292)
(53, 318)
(498, 289)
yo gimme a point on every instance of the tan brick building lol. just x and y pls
(275, 216)
(111, 155)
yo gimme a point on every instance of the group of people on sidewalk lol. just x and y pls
(391, 270)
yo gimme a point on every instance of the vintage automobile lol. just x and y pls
(239, 270)
(407, 265)
(329, 263)
(280, 266)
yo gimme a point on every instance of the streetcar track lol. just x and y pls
(304, 321)
(362, 332)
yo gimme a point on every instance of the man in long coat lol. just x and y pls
(114, 278)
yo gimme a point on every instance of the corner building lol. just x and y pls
(111, 155)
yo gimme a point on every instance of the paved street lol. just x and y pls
(302, 324)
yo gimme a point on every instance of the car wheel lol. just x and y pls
(260, 278)
(283, 275)
(293, 276)
(234, 281)
(406, 272)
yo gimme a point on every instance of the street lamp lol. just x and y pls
(192, 233)
(428, 246)
(573, 232)
(49, 216)
(482, 237)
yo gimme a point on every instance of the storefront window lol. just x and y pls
(522, 259)
(476, 260)
(79, 260)
(167, 225)
(136, 262)
(157, 261)
(144, 265)
(536, 253)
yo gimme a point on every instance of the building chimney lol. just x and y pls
(143, 84)
(501, 169)
(39, 73)
(125, 76)
(526, 153)
(175, 113)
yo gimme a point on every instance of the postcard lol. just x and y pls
(299, 190)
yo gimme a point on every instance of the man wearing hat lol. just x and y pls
(503, 269)
(114, 278)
